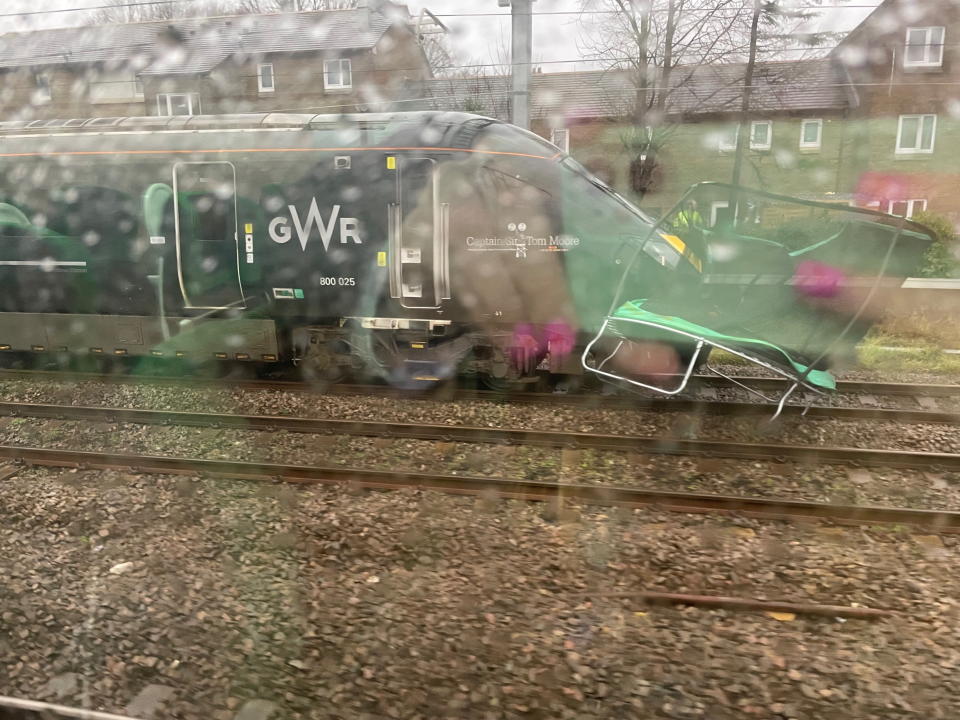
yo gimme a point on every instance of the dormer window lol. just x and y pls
(924, 47)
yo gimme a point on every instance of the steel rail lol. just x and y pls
(945, 521)
(846, 386)
(585, 400)
(12, 708)
(811, 454)
(444, 392)
(651, 597)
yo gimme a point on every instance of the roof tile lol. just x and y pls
(206, 41)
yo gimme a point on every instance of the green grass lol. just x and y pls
(922, 356)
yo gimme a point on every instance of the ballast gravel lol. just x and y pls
(821, 483)
(930, 437)
(215, 599)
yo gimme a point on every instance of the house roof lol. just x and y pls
(195, 45)
(695, 90)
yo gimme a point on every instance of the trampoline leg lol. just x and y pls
(608, 357)
(600, 371)
(783, 400)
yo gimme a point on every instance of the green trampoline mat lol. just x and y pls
(633, 310)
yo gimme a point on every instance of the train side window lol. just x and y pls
(93, 213)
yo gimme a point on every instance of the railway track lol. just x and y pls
(473, 434)
(583, 399)
(21, 709)
(941, 521)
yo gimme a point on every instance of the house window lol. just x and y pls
(906, 208)
(915, 134)
(265, 82)
(728, 138)
(42, 94)
(178, 104)
(115, 86)
(810, 133)
(924, 47)
(561, 138)
(760, 132)
(337, 74)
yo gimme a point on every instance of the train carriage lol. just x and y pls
(265, 237)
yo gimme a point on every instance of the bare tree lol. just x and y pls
(476, 85)
(266, 6)
(660, 46)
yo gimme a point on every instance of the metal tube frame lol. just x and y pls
(701, 341)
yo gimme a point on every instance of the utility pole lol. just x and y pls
(743, 129)
(521, 58)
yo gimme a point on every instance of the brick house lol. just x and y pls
(873, 123)
(798, 126)
(904, 60)
(324, 61)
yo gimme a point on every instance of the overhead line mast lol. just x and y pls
(521, 53)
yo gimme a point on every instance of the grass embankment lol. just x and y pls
(912, 344)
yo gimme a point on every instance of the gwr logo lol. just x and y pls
(281, 232)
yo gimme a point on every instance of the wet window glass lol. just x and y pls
(520, 360)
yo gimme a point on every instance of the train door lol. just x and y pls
(205, 216)
(419, 237)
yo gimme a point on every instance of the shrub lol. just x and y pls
(940, 260)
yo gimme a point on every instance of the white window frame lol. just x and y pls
(714, 206)
(769, 143)
(114, 87)
(728, 147)
(326, 74)
(911, 206)
(806, 145)
(43, 92)
(191, 98)
(563, 135)
(261, 87)
(916, 150)
(933, 54)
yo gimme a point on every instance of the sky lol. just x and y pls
(555, 37)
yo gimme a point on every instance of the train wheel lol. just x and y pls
(319, 366)
(498, 374)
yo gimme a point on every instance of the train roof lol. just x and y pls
(239, 121)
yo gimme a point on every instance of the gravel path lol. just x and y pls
(823, 483)
(320, 603)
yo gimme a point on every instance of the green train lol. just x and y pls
(408, 242)
(408, 245)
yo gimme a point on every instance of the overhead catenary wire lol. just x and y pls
(149, 3)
